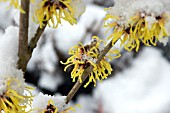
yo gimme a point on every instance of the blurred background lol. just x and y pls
(140, 82)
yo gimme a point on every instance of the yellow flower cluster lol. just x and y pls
(84, 56)
(137, 30)
(13, 102)
(53, 11)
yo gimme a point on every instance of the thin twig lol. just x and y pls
(23, 34)
(34, 40)
(86, 73)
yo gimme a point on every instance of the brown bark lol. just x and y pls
(23, 35)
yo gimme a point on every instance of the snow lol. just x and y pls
(50, 82)
(10, 73)
(9, 54)
(7, 15)
(79, 7)
(66, 36)
(1, 33)
(41, 101)
(35, 90)
(123, 3)
(47, 61)
(93, 13)
(147, 6)
(167, 2)
(151, 20)
(167, 28)
(127, 9)
(142, 88)
(87, 104)
(8, 61)
(50, 58)
(164, 40)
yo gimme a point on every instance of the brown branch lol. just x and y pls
(25, 50)
(86, 73)
(78, 84)
(23, 35)
(30, 47)
(34, 40)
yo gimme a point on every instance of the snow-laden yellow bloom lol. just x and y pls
(12, 101)
(122, 32)
(54, 11)
(51, 108)
(44, 103)
(148, 32)
(15, 3)
(84, 56)
(139, 28)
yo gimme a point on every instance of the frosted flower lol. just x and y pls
(15, 3)
(139, 22)
(84, 56)
(50, 104)
(12, 91)
(55, 10)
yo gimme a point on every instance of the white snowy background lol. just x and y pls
(139, 84)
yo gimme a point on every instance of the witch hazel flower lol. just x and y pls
(15, 96)
(50, 104)
(140, 21)
(84, 56)
(54, 11)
